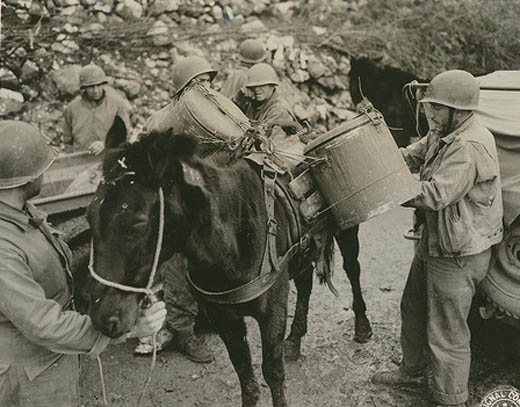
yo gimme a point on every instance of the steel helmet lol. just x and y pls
(251, 51)
(456, 89)
(25, 154)
(188, 68)
(91, 75)
(261, 74)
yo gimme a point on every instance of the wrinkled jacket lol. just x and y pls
(234, 82)
(274, 110)
(460, 189)
(86, 122)
(37, 325)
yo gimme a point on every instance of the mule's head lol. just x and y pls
(124, 221)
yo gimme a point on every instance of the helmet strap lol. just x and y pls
(449, 126)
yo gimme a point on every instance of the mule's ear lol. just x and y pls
(117, 133)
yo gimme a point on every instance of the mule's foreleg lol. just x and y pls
(348, 243)
(272, 331)
(303, 283)
(234, 334)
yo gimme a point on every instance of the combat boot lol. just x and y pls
(397, 378)
(193, 348)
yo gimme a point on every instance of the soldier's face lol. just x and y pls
(262, 93)
(95, 92)
(437, 116)
(203, 79)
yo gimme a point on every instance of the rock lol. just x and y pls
(253, 26)
(38, 10)
(217, 13)
(29, 71)
(69, 28)
(129, 9)
(343, 114)
(273, 42)
(299, 76)
(130, 87)
(23, 15)
(319, 30)
(187, 49)
(322, 110)
(287, 41)
(29, 93)
(71, 10)
(149, 63)
(163, 55)
(66, 80)
(164, 6)
(8, 79)
(65, 47)
(168, 21)
(66, 3)
(316, 68)
(327, 82)
(24, 3)
(88, 3)
(104, 6)
(91, 30)
(160, 34)
(20, 52)
(285, 7)
(10, 101)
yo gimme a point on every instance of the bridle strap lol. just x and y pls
(148, 289)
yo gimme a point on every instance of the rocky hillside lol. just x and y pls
(310, 42)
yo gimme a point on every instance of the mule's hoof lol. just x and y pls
(363, 331)
(363, 337)
(291, 351)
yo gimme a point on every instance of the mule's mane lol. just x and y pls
(147, 154)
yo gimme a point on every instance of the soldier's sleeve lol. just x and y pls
(414, 154)
(451, 181)
(67, 137)
(39, 319)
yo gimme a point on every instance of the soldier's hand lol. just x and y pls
(149, 320)
(96, 147)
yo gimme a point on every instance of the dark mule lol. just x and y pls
(383, 87)
(214, 214)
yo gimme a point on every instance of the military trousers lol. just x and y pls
(181, 307)
(434, 309)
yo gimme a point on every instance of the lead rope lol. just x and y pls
(147, 291)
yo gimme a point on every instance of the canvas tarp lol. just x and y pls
(499, 111)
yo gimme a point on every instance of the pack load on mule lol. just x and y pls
(197, 110)
(359, 170)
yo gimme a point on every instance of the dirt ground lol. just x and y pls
(334, 371)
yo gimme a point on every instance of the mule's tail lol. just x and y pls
(325, 266)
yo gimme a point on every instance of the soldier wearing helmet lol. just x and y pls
(187, 72)
(41, 335)
(90, 115)
(267, 104)
(182, 307)
(250, 52)
(462, 205)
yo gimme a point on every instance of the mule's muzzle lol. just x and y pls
(113, 326)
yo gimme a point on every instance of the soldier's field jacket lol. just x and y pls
(37, 324)
(460, 189)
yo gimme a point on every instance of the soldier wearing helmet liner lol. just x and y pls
(267, 104)
(41, 335)
(250, 52)
(186, 72)
(182, 307)
(462, 203)
(90, 115)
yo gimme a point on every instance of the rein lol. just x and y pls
(148, 291)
